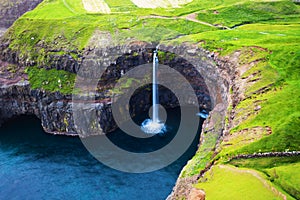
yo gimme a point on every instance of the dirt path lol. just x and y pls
(67, 6)
(182, 17)
(256, 175)
(190, 17)
(96, 6)
(193, 17)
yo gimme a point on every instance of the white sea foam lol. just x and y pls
(152, 127)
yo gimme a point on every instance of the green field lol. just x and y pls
(226, 182)
(283, 171)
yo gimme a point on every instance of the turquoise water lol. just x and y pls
(36, 165)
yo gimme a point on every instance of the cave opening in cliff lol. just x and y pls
(141, 100)
(20, 123)
(27, 129)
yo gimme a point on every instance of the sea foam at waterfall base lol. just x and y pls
(151, 127)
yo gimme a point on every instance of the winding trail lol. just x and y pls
(67, 6)
(193, 17)
(190, 17)
(256, 175)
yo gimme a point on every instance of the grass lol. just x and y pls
(205, 153)
(282, 171)
(202, 157)
(249, 12)
(77, 26)
(163, 29)
(286, 176)
(51, 80)
(279, 69)
(69, 29)
(277, 38)
(282, 113)
(232, 183)
(45, 10)
(263, 163)
(123, 84)
(121, 6)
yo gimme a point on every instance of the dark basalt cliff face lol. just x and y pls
(209, 78)
(11, 10)
(52, 108)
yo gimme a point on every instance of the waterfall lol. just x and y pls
(155, 89)
(154, 126)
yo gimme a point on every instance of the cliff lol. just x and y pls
(12, 10)
(55, 110)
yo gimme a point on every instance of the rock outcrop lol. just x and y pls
(55, 110)
(11, 10)
(52, 108)
(196, 194)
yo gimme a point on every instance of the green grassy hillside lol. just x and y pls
(233, 184)
(266, 36)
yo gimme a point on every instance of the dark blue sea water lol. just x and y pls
(37, 165)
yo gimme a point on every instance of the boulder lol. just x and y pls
(196, 194)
